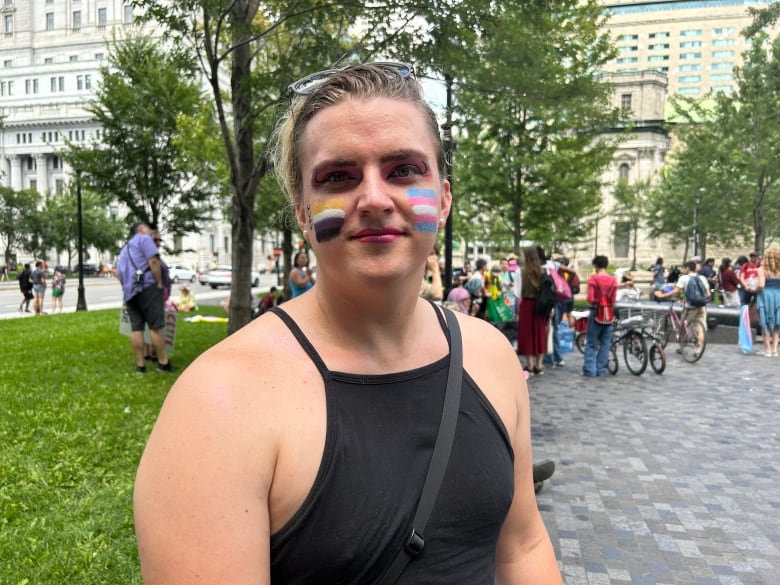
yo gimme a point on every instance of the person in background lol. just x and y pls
(572, 279)
(599, 335)
(295, 450)
(769, 300)
(531, 326)
(659, 277)
(728, 283)
(140, 274)
(748, 281)
(691, 313)
(38, 278)
(476, 287)
(186, 300)
(57, 290)
(25, 287)
(4, 277)
(708, 271)
(301, 276)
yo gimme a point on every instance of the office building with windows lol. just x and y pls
(696, 43)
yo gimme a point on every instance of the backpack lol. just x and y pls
(695, 292)
(546, 295)
(605, 312)
(574, 283)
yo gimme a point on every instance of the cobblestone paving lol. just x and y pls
(669, 479)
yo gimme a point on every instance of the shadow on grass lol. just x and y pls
(75, 419)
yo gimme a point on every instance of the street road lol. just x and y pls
(105, 293)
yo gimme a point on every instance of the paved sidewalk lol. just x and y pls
(663, 480)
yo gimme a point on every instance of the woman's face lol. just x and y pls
(372, 195)
(302, 260)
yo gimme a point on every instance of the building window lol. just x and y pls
(77, 20)
(625, 101)
(722, 77)
(128, 18)
(74, 58)
(27, 86)
(9, 24)
(35, 86)
(2, 87)
(10, 88)
(721, 54)
(722, 42)
(623, 60)
(8, 63)
(79, 82)
(690, 44)
(61, 83)
(721, 89)
(689, 79)
(54, 85)
(226, 240)
(55, 160)
(689, 91)
(48, 60)
(99, 56)
(623, 172)
(622, 238)
(59, 186)
(33, 184)
(101, 17)
(629, 49)
(658, 46)
(658, 58)
(693, 32)
(627, 38)
(88, 81)
(659, 35)
(30, 161)
(722, 65)
(49, 21)
(691, 67)
(661, 69)
(723, 31)
(688, 56)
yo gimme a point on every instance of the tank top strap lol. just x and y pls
(303, 340)
(315, 357)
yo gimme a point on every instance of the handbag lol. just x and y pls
(550, 346)
(439, 460)
(498, 310)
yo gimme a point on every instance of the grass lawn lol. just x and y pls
(75, 419)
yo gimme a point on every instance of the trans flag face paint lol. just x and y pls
(426, 212)
(328, 219)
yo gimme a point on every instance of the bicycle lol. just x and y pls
(689, 334)
(656, 354)
(630, 334)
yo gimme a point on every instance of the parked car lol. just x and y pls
(222, 275)
(179, 272)
(203, 277)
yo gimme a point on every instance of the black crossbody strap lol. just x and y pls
(439, 459)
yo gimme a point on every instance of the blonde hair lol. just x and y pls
(771, 261)
(360, 81)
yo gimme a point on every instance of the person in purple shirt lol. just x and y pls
(139, 271)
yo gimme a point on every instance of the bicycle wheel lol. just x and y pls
(657, 358)
(612, 361)
(692, 341)
(635, 353)
(666, 331)
(580, 341)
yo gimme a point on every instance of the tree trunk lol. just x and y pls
(244, 187)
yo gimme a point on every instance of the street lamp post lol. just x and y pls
(449, 149)
(277, 254)
(81, 303)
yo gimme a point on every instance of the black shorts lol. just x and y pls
(147, 306)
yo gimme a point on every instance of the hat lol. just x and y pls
(135, 226)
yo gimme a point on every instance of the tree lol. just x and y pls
(533, 106)
(145, 93)
(630, 207)
(16, 207)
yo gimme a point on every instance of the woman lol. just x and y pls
(769, 300)
(295, 450)
(729, 283)
(531, 326)
(301, 277)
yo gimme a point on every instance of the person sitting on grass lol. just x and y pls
(186, 301)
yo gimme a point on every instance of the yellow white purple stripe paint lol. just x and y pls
(426, 212)
(328, 217)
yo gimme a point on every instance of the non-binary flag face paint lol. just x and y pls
(426, 212)
(328, 217)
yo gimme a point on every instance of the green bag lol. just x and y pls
(498, 310)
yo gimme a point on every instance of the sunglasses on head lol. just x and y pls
(308, 84)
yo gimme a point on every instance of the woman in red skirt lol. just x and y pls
(531, 327)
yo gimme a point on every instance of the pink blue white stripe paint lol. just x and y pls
(423, 202)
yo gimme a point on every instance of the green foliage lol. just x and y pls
(75, 421)
(531, 110)
(145, 91)
(16, 207)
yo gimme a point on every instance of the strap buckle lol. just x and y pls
(415, 544)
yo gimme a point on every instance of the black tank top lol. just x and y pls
(380, 435)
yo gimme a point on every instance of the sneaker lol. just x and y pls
(150, 358)
(560, 364)
(165, 367)
(140, 369)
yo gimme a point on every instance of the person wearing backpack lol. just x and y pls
(531, 324)
(602, 292)
(696, 291)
